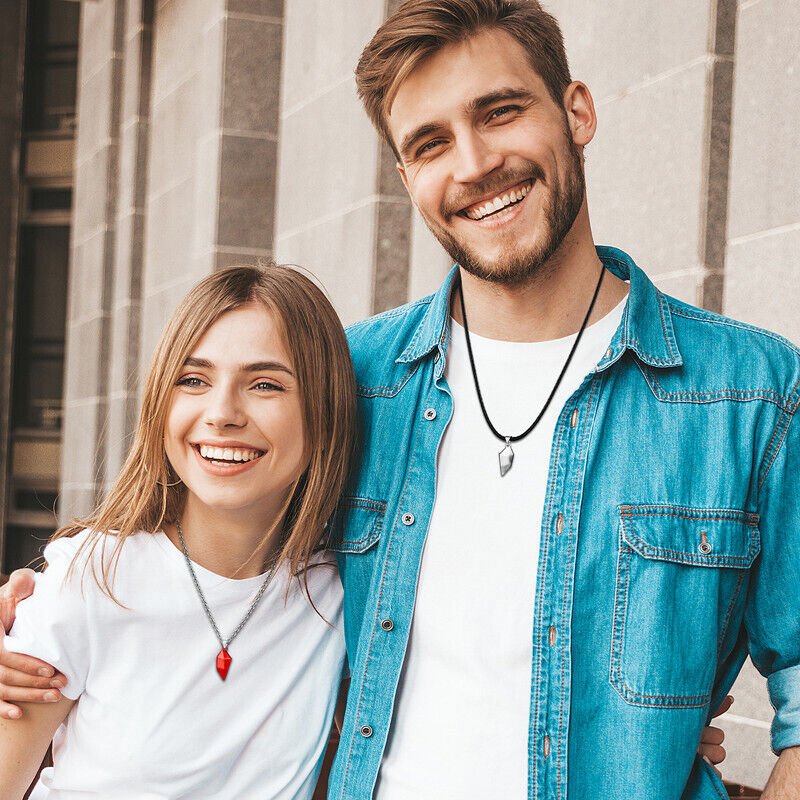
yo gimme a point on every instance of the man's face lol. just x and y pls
(488, 157)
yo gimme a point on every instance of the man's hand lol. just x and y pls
(712, 738)
(23, 679)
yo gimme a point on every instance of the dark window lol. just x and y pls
(47, 199)
(51, 67)
(41, 321)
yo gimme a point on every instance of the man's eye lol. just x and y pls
(428, 146)
(501, 111)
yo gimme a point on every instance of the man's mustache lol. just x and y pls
(491, 186)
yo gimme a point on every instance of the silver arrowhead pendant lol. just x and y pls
(506, 457)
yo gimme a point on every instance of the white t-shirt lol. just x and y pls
(460, 726)
(153, 718)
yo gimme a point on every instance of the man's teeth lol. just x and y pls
(496, 203)
(228, 453)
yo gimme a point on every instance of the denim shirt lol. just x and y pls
(669, 543)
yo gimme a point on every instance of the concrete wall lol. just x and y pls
(342, 211)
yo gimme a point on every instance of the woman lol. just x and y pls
(194, 614)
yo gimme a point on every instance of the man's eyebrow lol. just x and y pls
(497, 96)
(471, 107)
(256, 366)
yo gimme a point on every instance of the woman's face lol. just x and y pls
(235, 433)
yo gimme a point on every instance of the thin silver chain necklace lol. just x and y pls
(506, 455)
(223, 658)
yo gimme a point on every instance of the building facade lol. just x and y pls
(213, 132)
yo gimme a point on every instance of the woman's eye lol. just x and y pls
(268, 386)
(190, 381)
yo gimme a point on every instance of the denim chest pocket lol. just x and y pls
(357, 525)
(680, 578)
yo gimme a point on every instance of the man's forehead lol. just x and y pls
(455, 77)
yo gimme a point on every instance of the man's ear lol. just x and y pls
(581, 116)
(403, 177)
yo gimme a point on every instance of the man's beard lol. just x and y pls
(560, 210)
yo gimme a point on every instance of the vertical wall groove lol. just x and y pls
(717, 154)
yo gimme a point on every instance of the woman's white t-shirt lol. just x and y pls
(153, 718)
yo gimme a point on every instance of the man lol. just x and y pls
(576, 507)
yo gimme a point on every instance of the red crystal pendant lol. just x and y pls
(223, 663)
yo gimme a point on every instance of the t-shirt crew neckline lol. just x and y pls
(500, 347)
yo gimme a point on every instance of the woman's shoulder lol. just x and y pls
(97, 552)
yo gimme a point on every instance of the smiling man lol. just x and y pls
(577, 507)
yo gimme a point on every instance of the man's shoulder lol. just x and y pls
(735, 355)
(383, 337)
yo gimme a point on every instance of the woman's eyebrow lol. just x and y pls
(256, 366)
(266, 366)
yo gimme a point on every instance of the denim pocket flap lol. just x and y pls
(704, 537)
(357, 525)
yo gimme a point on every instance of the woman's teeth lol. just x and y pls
(499, 202)
(228, 454)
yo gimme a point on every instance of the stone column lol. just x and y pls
(86, 392)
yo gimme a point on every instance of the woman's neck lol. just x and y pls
(231, 544)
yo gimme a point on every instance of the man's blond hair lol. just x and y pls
(420, 28)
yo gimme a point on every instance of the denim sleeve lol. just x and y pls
(772, 617)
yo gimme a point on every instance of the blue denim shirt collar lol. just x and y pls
(646, 326)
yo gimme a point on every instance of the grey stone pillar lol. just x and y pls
(342, 210)
(213, 140)
(86, 392)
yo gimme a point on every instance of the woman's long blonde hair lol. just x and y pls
(147, 492)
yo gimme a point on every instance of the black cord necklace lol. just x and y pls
(506, 455)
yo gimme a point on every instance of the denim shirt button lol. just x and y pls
(366, 731)
(704, 548)
(408, 519)
(387, 624)
(430, 413)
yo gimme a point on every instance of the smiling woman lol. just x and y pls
(213, 529)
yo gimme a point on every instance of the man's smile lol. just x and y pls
(489, 206)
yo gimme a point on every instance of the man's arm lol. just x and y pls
(23, 679)
(23, 744)
(784, 782)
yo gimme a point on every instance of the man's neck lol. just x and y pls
(551, 304)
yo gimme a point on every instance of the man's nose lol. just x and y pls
(474, 158)
(224, 408)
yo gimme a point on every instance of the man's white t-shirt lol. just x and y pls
(460, 726)
(153, 718)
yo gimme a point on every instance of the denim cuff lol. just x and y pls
(784, 694)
